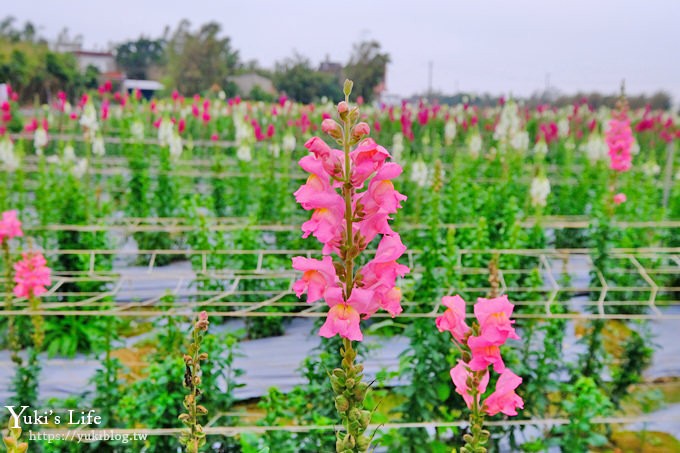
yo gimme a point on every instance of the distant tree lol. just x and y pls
(136, 57)
(300, 81)
(90, 79)
(367, 67)
(198, 60)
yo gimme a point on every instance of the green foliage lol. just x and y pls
(138, 56)
(366, 68)
(583, 401)
(198, 60)
(296, 77)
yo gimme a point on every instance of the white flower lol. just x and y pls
(563, 127)
(508, 123)
(289, 142)
(520, 141)
(596, 148)
(419, 173)
(98, 148)
(243, 153)
(69, 154)
(651, 168)
(175, 145)
(222, 95)
(79, 168)
(9, 159)
(88, 119)
(40, 138)
(541, 148)
(449, 132)
(475, 145)
(635, 148)
(137, 130)
(275, 149)
(397, 146)
(165, 132)
(539, 191)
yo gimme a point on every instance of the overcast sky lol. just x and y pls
(499, 46)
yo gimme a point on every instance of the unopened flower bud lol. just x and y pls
(341, 403)
(203, 316)
(332, 128)
(349, 383)
(347, 87)
(360, 130)
(342, 107)
(363, 443)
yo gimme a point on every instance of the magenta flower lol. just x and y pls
(619, 198)
(31, 275)
(10, 226)
(453, 318)
(504, 399)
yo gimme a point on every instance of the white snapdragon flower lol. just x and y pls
(98, 147)
(137, 130)
(80, 168)
(635, 148)
(9, 159)
(69, 154)
(520, 141)
(651, 168)
(243, 153)
(475, 145)
(165, 132)
(397, 146)
(88, 119)
(563, 127)
(419, 173)
(175, 145)
(289, 143)
(40, 139)
(596, 148)
(539, 191)
(449, 132)
(541, 148)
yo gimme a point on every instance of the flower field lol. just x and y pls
(135, 216)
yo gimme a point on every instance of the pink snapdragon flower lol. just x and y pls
(360, 293)
(480, 345)
(619, 198)
(318, 276)
(31, 275)
(453, 318)
(10, 226)
(504, 399)
(494, 319)
(460, 374)
(619, 138)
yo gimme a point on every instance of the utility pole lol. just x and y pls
(429, 80)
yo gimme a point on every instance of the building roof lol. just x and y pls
(133, 84)
(89, 53)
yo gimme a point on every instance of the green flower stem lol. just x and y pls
(194, 439)
(475, 441)
(12, 338)
(350, 393)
